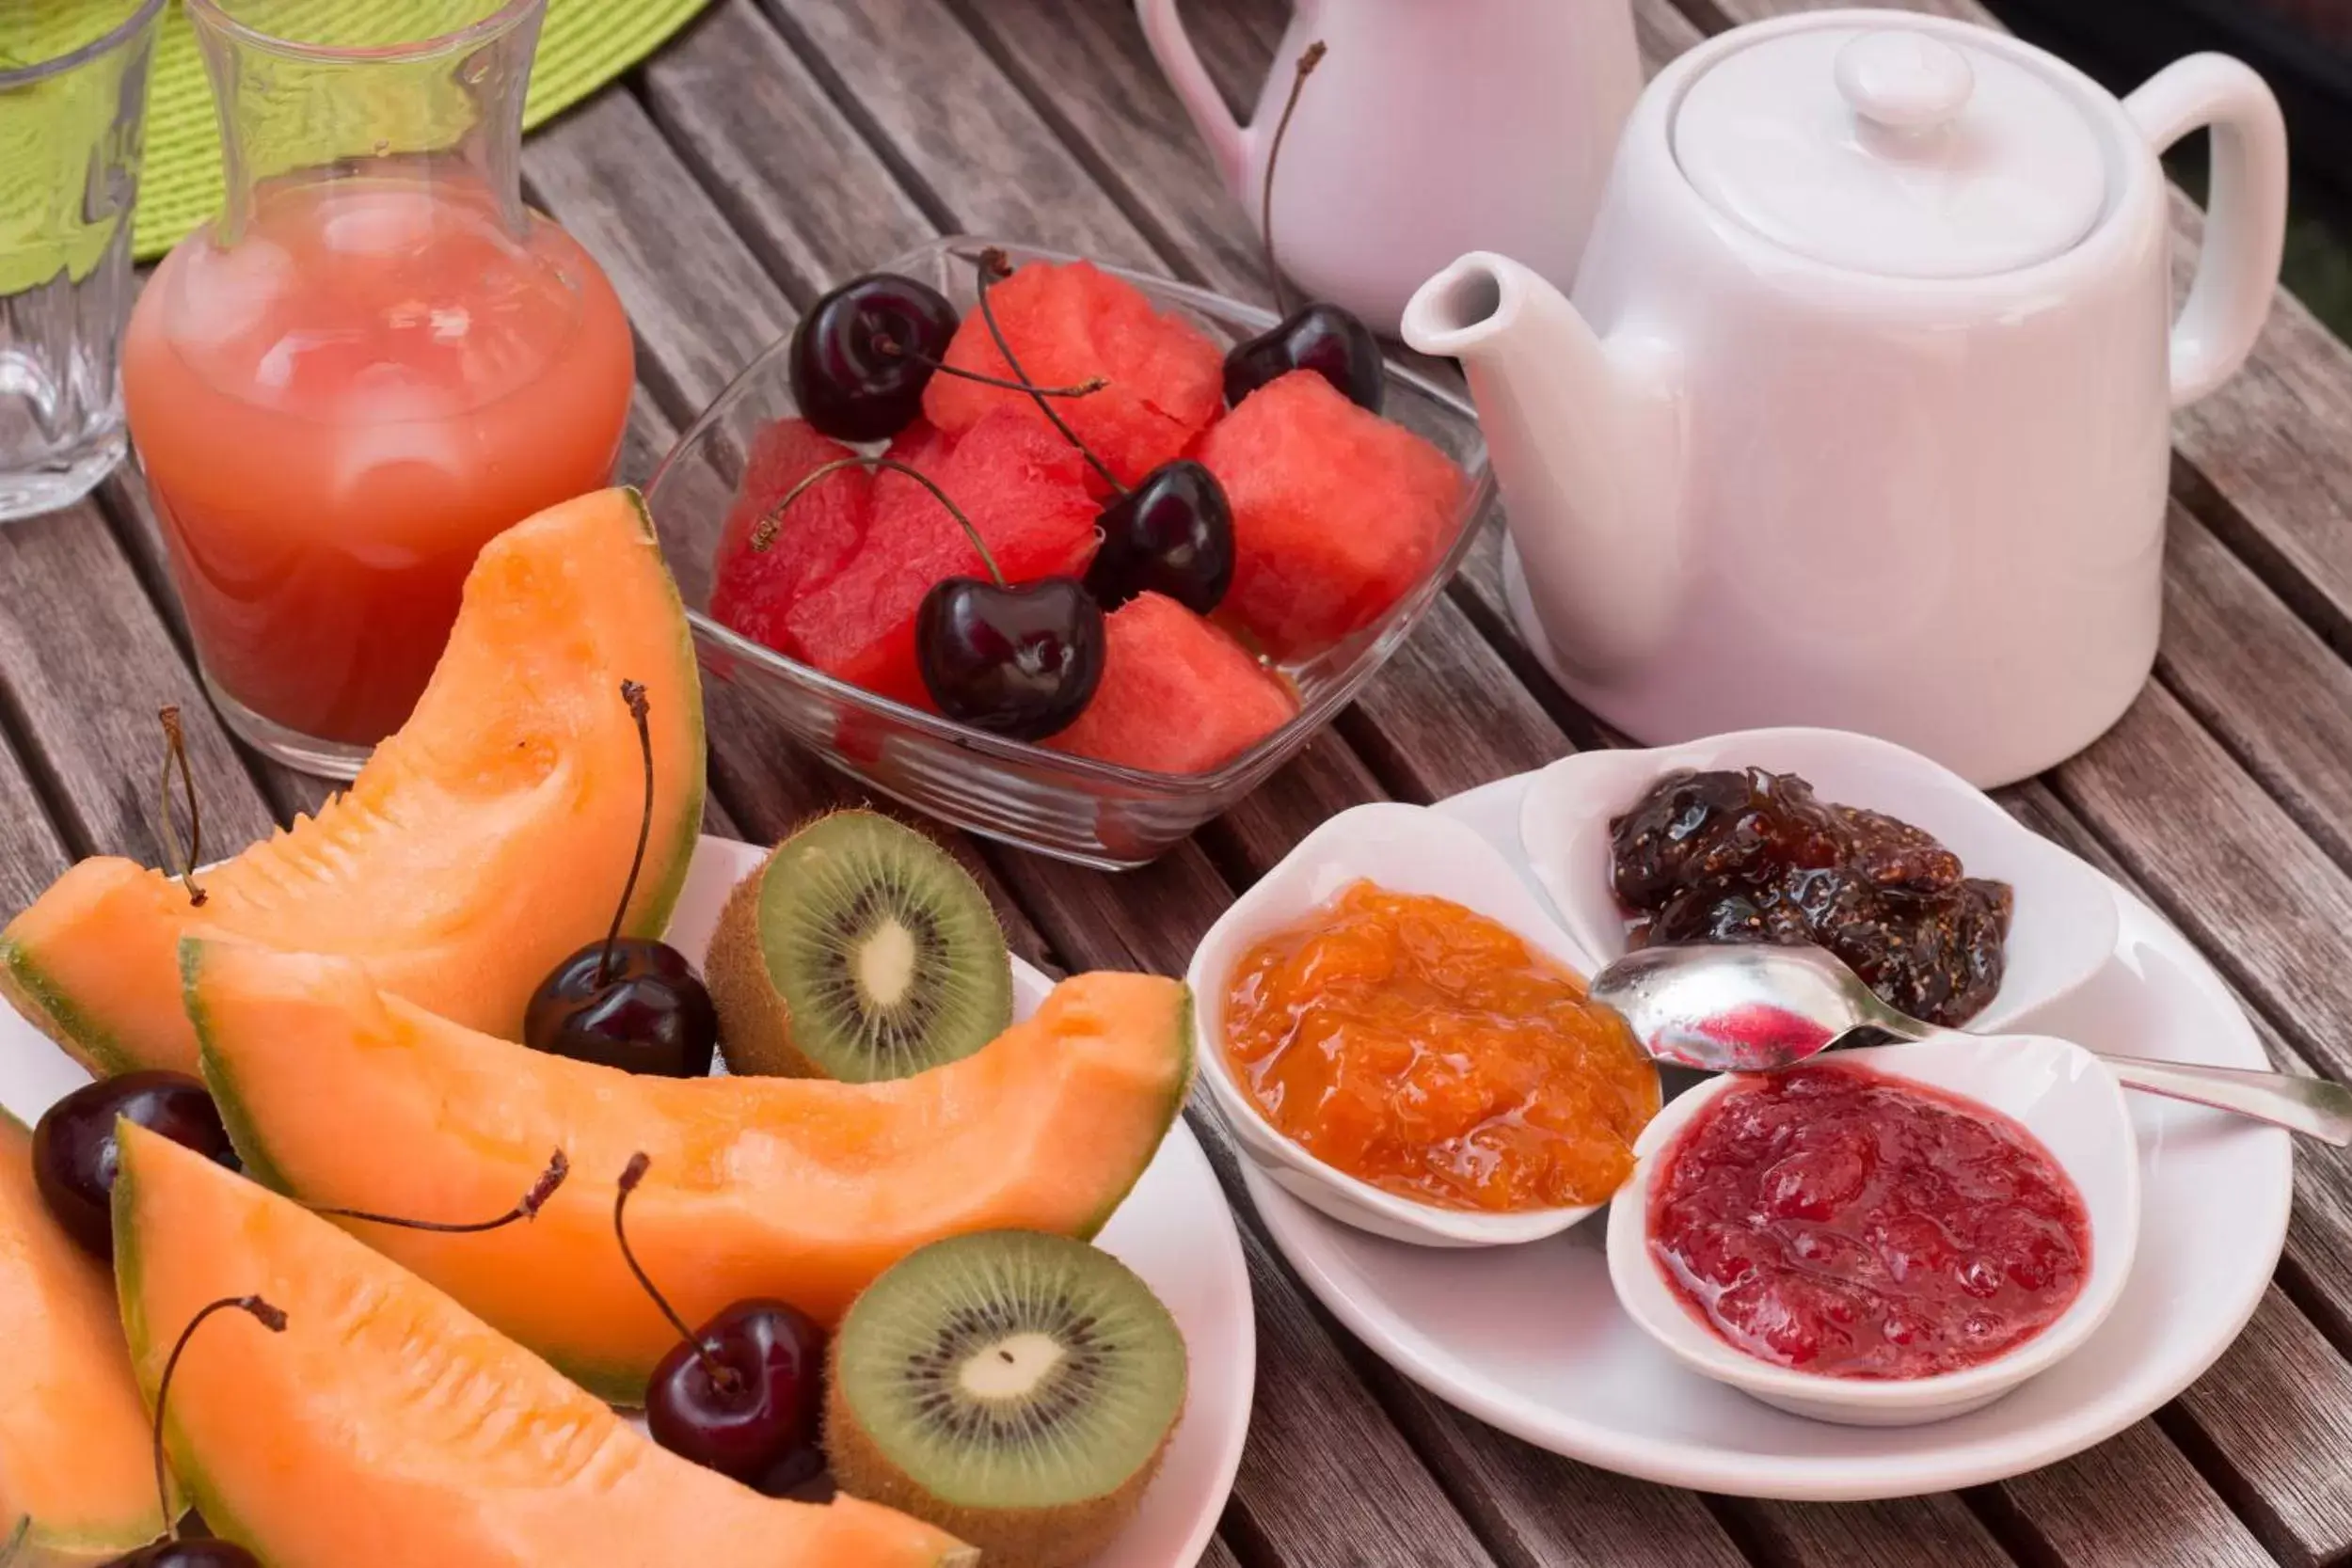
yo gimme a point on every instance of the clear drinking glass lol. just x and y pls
(72, 114)
(374, 360)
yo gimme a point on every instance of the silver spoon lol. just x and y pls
(1758, 1008)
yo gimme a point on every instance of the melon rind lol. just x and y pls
(46, 1542)
(91, 963)
(342, 1097)
(560, 1473)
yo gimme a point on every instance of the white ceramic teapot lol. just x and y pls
(1432, 127)
(1860, 415)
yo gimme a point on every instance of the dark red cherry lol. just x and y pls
(1021, 660)
(1171, 534)
(863, 355)
(628, 1002)
(645, 1012)
(1323, 338)
(203, 1552)
(75, 1157)
(761, 1426)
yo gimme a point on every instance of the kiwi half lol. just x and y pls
(1016, 1389)
(860, 950)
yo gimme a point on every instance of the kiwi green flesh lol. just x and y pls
(884, 951)
(1011, 1370)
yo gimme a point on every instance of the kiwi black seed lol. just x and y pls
(1016, 1389)
(859, 951)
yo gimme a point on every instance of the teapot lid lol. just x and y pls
(1893, 150)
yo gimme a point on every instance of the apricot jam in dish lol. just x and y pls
(1835, 1220)
(1419, 1046)
(1752, 856)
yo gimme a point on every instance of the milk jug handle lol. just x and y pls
(2245, 211)
(1229, 142)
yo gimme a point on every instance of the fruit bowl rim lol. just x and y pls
(1249, 767)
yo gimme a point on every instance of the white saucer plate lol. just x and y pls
(1174, 1230)
(1531, 1339)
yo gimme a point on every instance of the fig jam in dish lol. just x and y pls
(1834, 1220)
(1420, 1047)
(1752, 856)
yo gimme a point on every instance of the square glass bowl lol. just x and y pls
(1075, 808)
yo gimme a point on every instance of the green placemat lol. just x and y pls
(584, 44)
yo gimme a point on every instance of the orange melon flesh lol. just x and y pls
(804, 1189)
(74, 1454)
(480, 846)
(388, 1426)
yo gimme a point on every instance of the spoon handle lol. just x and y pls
(2313, 1106)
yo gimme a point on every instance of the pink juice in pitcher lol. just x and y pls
(338, 410)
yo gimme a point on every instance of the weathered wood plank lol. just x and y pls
(2227, 864)
(1447, 714)
(1536, 1509)
(2275, 695)
(744, 109)
(2274, 1419)
(2275, 1468)
(1085, 67)
(986, 161)
(1904, 1533)
(32, 854)
(700, 304)
(2131, 1502)
(86, 661)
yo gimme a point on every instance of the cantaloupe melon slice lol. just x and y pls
(481, 845)
(387, 1426)
(803, 1189)
(75, 1459)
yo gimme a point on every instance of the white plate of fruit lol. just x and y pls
(929, 1264)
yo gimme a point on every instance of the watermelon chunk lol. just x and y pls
(1067, 324)
(1023, 488)
(1178, 695)
(1337, 512)
(752, 590)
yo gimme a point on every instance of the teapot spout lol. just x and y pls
(1581, 434)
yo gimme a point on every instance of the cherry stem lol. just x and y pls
(884, 343)
(994, 268)
(179, 864)
(633, 693)
(765, 533)
(261, 1312)
(723, 1377)
(16, 1539)
(533, 1201)
(1308, 58)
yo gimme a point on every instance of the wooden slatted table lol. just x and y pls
(778, 145)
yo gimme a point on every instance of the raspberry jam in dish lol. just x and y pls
(1420, 1047)
(1752, 856)
(1834, 1220)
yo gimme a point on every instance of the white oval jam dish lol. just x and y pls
(2063, 922)
(1401, 849)
(2055, 1090)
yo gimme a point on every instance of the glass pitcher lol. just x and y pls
(373, 360)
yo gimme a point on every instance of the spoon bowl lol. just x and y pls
(1758, 1008)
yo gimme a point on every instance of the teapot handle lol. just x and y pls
(2237, 267)
(1229, 142)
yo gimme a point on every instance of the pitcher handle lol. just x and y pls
(2245, 213)
(1229, 142)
